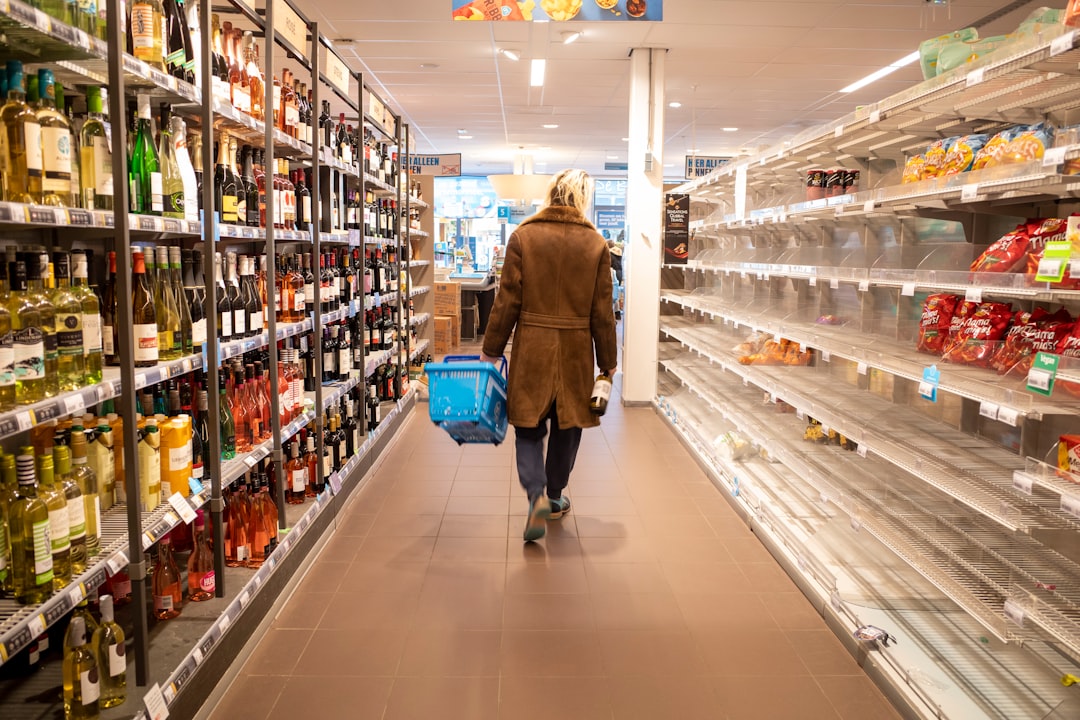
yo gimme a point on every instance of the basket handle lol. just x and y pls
(473, 358)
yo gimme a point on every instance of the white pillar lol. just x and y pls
(644, 240)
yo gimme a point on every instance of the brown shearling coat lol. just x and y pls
(555, 296)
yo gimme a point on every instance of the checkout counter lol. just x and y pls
(477, 299)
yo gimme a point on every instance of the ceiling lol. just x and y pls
(766, 67)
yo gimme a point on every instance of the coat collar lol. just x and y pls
(559, 214)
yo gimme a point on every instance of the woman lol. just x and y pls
(555, 296)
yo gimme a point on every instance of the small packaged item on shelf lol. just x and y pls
(813, 431)
(1043, 231)
(1069, 347)
(1069, 456)
(993, 149)
(732, 446)
(751, 344)
(980, 335)
(795, 356)
(937, 315)
(935, 159)
(815, 184)
(913, 169)
(829, 320)
(1017, 344)
(1038, 332)
(961, 53)
(1029, 144)
(929, 50)
(1072, 13)
(1007, 254)
(961, 154)
(834, 182)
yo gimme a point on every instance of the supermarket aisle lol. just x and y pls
(649, 600)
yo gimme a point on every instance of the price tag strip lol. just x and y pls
(928, 388)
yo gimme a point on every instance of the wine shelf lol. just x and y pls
(380, 187)
(418, 263)
(419, 290)
(235, 348)
(419, 319)
(418, 351)
(420, 204)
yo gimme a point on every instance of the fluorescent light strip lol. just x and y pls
(883, 72)
(536, 78)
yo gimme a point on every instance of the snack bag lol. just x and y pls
(935, 159)
(961, 154)
(1072, 13)
(1007, 254)
(963, 311)
(977, 339)
(1069, 454)
(994, 147)
(489, 10)
(1042, 231)
(930, 49)
(1028, 145)
(937, 315)
(1070, 347)
(913, 169)
(956, 54)
(1017, 343)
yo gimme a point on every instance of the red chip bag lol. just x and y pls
(1007, 254)
(1069, 346)
(963, 311)
(978, 337)
(1047, 335)
(1017, 343)
(937, 315)
(1044, 231)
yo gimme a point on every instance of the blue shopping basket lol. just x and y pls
(467, 398)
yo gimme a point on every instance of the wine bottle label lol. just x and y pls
(96, 510)
(117, 662)
(30, 354)
(91, 333)
(328, 361)
(163, 602)
(76, 520)
(344, 360)
(292, 116)
(88, 686)
(157, 202)
(307, 207)
(43, 565)
(146, 342)
(51, 345)
(177, 58)
(102, 167)
(197, 470)
(279, 209)
(299, 303)
(69, 334)
(242, 553)
(225, 324)
(56, 154)
(299, 480)
(107, 340)
(198, 332)
(229, 208)
(241, 97)
(207, 582)
(32, 137)
(165, 489)
(5, 152)
(174, 203)
(257, 320)
(240, 321)
(179, 459)
(7, 359)
(142, 31)
(59, 539)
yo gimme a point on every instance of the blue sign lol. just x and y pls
(616, 166)
(610, 219)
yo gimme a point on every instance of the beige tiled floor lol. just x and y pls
(649, 600)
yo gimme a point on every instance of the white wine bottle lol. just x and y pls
(601, 394)
(81, 688)
(108, 646)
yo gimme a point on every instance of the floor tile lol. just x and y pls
(421, 488)
(703, 578)
(443, 653)
(370, 576)
(412, 505)
(465, 577)
(558, 578)
(685, 526)
(396, 525)
(686, 549)
(352, 652)
(469, 549)
(467, 505)
(398, 549)
(767, 577)
(278, 652)
(650, 653)
(303, 610)
(480, 488)
(637, 611)
(356, 611)
(749, 650)
(547, 612)
(356, 523)
(423, 698)
(248, 696)
(757, 698)
(823, 653)
(727, 611)
(855, 697)
(627, 549)
(550, 653)
(792, 611)
(610, 526)
(749, 550)
(523, 698)
(461, 610)
(550, 549)
(356, 698)
(685, 698)
(638, 577)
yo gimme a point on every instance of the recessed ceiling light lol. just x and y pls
(429, 66)
(464, 137)
(550, 126)
(674, 104)
(669, 164)
(626, 139)
(462, 131)
(731, 129)
(509, 54)
(878, 74)
(569, 37)
(693, 150)
(612, 157)
(536, 76)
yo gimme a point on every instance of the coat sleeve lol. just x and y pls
(602, 321)
(507, 308)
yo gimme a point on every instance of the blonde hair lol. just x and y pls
(571, 188)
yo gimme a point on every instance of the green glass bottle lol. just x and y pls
(7, 344)
(59, 527)
(91, 321)
(81, 676)
(86, 479)
(186, 347)
(37, 264)
(71, 359)
(95, 167)
(172, 184)
(9, 493)
(31, 548)
(56, 146)
(76, 508)
(228, 426)
(20, 142)
(29, 339)
(144, 173)
(170, 339)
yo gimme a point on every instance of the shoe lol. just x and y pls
(536, 523)
(559, 507)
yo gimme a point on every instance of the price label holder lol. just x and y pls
(875, 116)
(973, 295)
(335, 483)
(868, 206)
(154, 701)
(75, 405)
(117, 563)
(1022, 482)
(861, 450)
(969, 192)
(183, 507)
(989, 410)
(862, 368)
(1054, 156)
(1062, 43)
(826, 356)
(907, 289)
(864, 285)
(813, 281)
(1008, 415)
(1070, 505)
(838, 131)
(975, 77)
(1055, 261)
(1042, 374)
(834, 283)
(929, 386)
(1014, 613)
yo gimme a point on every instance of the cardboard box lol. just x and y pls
(447, 298)
(444, 334)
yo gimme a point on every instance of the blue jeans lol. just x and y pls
(536, 473)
